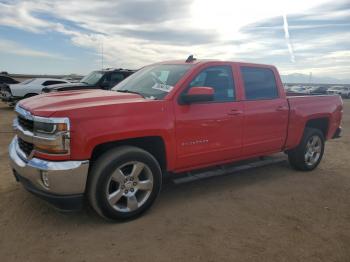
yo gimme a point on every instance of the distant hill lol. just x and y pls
(301, 78)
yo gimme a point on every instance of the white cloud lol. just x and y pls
(11, 47)
(135, 33)
(20, 15)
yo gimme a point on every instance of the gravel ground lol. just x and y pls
(272, 213)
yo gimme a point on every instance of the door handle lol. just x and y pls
(281, 108)
(235, 112)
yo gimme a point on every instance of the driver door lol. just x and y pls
(210, 132)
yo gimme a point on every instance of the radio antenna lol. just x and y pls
(102, 54)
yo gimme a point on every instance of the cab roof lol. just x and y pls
(195, 61)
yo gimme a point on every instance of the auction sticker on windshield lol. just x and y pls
(163, 87)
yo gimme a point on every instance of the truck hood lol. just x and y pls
(64, 102)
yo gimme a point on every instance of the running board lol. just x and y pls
(226, 170)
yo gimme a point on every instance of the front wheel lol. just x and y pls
(124, 182)
(308, 154)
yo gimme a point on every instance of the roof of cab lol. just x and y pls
(204, 61)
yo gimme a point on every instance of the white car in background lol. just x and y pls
(31, 87)
(299, 90)
(339, 90)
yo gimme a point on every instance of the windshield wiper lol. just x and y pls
(130, 91)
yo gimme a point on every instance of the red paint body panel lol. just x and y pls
(265, 126)
(304, 108)
(196, 135)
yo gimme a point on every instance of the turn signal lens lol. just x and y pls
(62, 127)
(51, 149)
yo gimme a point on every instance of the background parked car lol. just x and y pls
(5, 79)
(31, 87)
(103, 79)
(339, 90)
(299, 89)
(318, 90)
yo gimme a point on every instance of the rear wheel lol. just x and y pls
(124, 182)
(308, 154)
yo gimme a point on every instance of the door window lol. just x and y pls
(220, 79)
(259, 83)
(115, 78)
(52, 82)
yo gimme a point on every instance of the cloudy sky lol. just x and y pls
(66, 36)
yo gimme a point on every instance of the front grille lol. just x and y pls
(26, 147)
(25, 123)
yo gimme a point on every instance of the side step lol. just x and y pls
(229, 169)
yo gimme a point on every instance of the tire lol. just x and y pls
(123, 183)
(308, 154)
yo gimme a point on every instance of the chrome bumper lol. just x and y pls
(64, 177)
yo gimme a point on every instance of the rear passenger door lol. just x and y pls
(265, 111)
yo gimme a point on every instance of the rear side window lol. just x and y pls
(114, 78)
(52, 82)
(220, 79)
(259, 83)
(111, 79)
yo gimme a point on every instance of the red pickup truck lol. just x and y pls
(113, 148)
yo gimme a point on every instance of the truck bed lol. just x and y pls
(304, 108)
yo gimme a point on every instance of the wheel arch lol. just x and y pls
(153, 144)
(320, 123)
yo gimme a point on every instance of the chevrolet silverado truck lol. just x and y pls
(113, 148)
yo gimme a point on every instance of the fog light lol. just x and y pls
(45, 178)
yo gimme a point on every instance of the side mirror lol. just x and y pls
(198, 94)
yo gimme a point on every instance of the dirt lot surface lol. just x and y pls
(273, 213)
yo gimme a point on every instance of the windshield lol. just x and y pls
(153, 82)
(27, 81)
(92, 78)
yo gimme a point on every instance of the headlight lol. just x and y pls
(52, 135)
(48, 135)
(49, 128)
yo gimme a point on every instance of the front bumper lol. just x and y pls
(9, 98)
(6, 95)
(66, 179)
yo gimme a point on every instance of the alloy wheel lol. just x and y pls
(129, 186)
